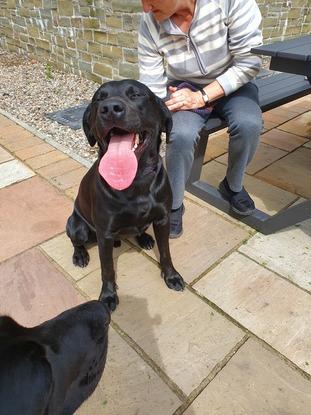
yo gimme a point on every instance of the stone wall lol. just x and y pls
(98, 38)
(285, 19)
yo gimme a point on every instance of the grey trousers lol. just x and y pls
(243, 115)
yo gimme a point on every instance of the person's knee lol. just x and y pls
(248, 129)
(183, 138)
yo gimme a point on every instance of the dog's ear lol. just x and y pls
(86, 126)
(166, 118)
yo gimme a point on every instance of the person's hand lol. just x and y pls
(184, 99)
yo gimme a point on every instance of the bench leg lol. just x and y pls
(259, 220)
(291, 216)
(199, 155)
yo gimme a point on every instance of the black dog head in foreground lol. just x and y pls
(52, 368)
(127, 189)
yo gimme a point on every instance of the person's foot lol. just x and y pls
(176, 222)
(240, 202)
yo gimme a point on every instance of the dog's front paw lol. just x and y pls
(145, 241)
(80, 257)
(174, 281)
(110, 299)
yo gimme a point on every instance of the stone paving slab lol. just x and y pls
(283, 140)
(299, 106)
(60, 249)
(278, 117)
(231, 219)
(72, 192)
(129, 386)
(32, 290)
(265, 155)
(255, 382)
(268, 125)
(291, 173)
(207, 237)
(30, 212)
(13, 171)
(184, 336)
(5, 155)
(5, 122)
(268, 198)
(300, 125)
(287, 252)
(58, 168)
(270, 307)
(36, 150)
(11, 129)
(45, 159)
(217, 145)
(69, 179)
(16, 138)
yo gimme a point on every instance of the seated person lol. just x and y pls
(204, 46)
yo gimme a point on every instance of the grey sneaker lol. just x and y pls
(176, 222)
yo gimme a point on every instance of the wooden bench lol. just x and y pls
(274, 90)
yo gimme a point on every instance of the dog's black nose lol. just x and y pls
(113, 108)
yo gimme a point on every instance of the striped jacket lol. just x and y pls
(217, 46)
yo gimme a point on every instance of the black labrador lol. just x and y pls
(52, 368)
(127, 188)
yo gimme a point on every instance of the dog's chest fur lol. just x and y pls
(133, 217)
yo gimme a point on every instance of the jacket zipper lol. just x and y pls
(197, 55)
(188, 43)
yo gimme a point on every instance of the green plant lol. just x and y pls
(48, 71)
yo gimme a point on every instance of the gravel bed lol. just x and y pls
(29, 89)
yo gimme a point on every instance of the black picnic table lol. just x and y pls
(293, 59)
(292, 55)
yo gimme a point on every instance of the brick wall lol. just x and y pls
(98, 38)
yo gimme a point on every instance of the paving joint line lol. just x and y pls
(276, 273)
(285, 359)
(219, 260)
(275, 161)
(27, 249)
(230, 219)
(67, 276)
(211, 376)
(249, 332)
(154, 366)
(46, 138)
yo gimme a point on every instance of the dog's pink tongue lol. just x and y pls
(118, 166)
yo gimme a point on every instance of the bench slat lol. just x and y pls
(297, 45)
(282, 90)
(274, 90)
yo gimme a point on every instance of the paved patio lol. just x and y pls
(236, 341)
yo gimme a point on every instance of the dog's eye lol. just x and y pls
(135, 95)
(103, 95)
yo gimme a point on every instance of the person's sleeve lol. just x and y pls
(150, 60)
(244, 19)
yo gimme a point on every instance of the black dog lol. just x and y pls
(52, 368)
(127, 188)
